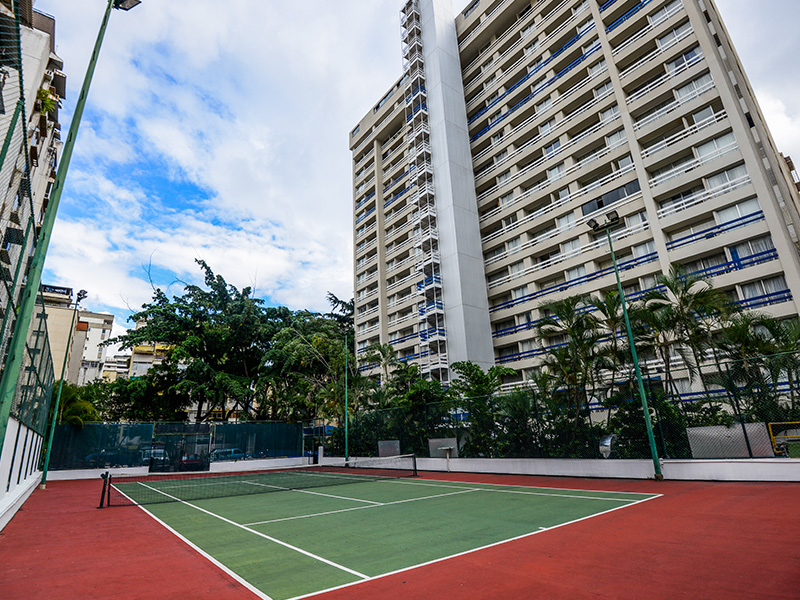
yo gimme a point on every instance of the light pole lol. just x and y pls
(612, 218)
(81, 295)
(16, 347)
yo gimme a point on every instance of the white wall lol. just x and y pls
(19, 468)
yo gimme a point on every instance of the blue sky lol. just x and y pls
(219, 130)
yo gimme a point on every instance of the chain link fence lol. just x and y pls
(742, 409)
(170, 447)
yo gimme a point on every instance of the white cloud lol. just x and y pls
(252, 102)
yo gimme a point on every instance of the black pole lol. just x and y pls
(104, 477)
(738, 409)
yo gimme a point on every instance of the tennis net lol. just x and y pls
(153, 489)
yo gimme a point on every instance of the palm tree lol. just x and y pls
(691, 301)
(574, 361)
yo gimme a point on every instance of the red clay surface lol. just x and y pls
(699, 540)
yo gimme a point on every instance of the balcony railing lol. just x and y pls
(712, 232)
(692, 164)
(623, 266)
(642, 92)
(672, 106)
(682, 135)
(646, 30)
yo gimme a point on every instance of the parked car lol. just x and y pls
(227, 454)
(159, 457)
(192, 462)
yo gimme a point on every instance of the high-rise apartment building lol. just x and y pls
(517, 122)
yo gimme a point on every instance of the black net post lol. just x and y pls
(105, 477)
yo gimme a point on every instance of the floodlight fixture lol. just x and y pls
(126, 4)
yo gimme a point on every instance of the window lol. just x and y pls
(585, 26)
(639, 218)
(692, 229)
(706, 263)
(610, 113)
(603, 90)
(499, 157)
(715, 145)
(516, 268)
(561, 194)
(674, 35)
(503, 177)
(355, 131)
(489, 81)
(751, 247)
(694, 86)
(555, 172)
(470, 8)
(493, 253)
(509, 220)
(624, 162)
(527, 346)
(551, 149)
(533, 46)
(664, 12)
(497, 137)
(492, 98)
(571, 247)
(726, 177)
(741, 209)
(575, 273)
(506, 199)
(513, 244)
(641, 250)
(565, 221)
(496, 116)
(544, 105)
(597, 67)
(702, 114)
(615, 139)
(649, 281)
(495, 277)
(519, 292)
(763, 287)
(485, 66)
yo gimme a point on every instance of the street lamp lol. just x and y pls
(81, 295)
(16, 347)
(612, 219)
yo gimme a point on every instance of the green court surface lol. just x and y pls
(291, 543)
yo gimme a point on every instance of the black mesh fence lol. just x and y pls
(171, 447)
(741, 409)
(101, 445)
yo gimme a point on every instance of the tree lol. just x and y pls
(218, 337)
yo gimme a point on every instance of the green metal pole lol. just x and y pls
(346, 420)
(58, 401)
(650, 437)
(16, 350)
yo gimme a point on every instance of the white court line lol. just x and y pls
(520, 491)
(263, 535)
(430, 562)
(285, 489)
(341, 510)
(203, 553)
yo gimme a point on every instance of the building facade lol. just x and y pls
(514, 125)
(31, 87)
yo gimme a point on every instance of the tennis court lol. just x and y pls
(341, 526)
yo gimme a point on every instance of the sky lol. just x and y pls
(219, 131)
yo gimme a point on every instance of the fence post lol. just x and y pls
(737, 408)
